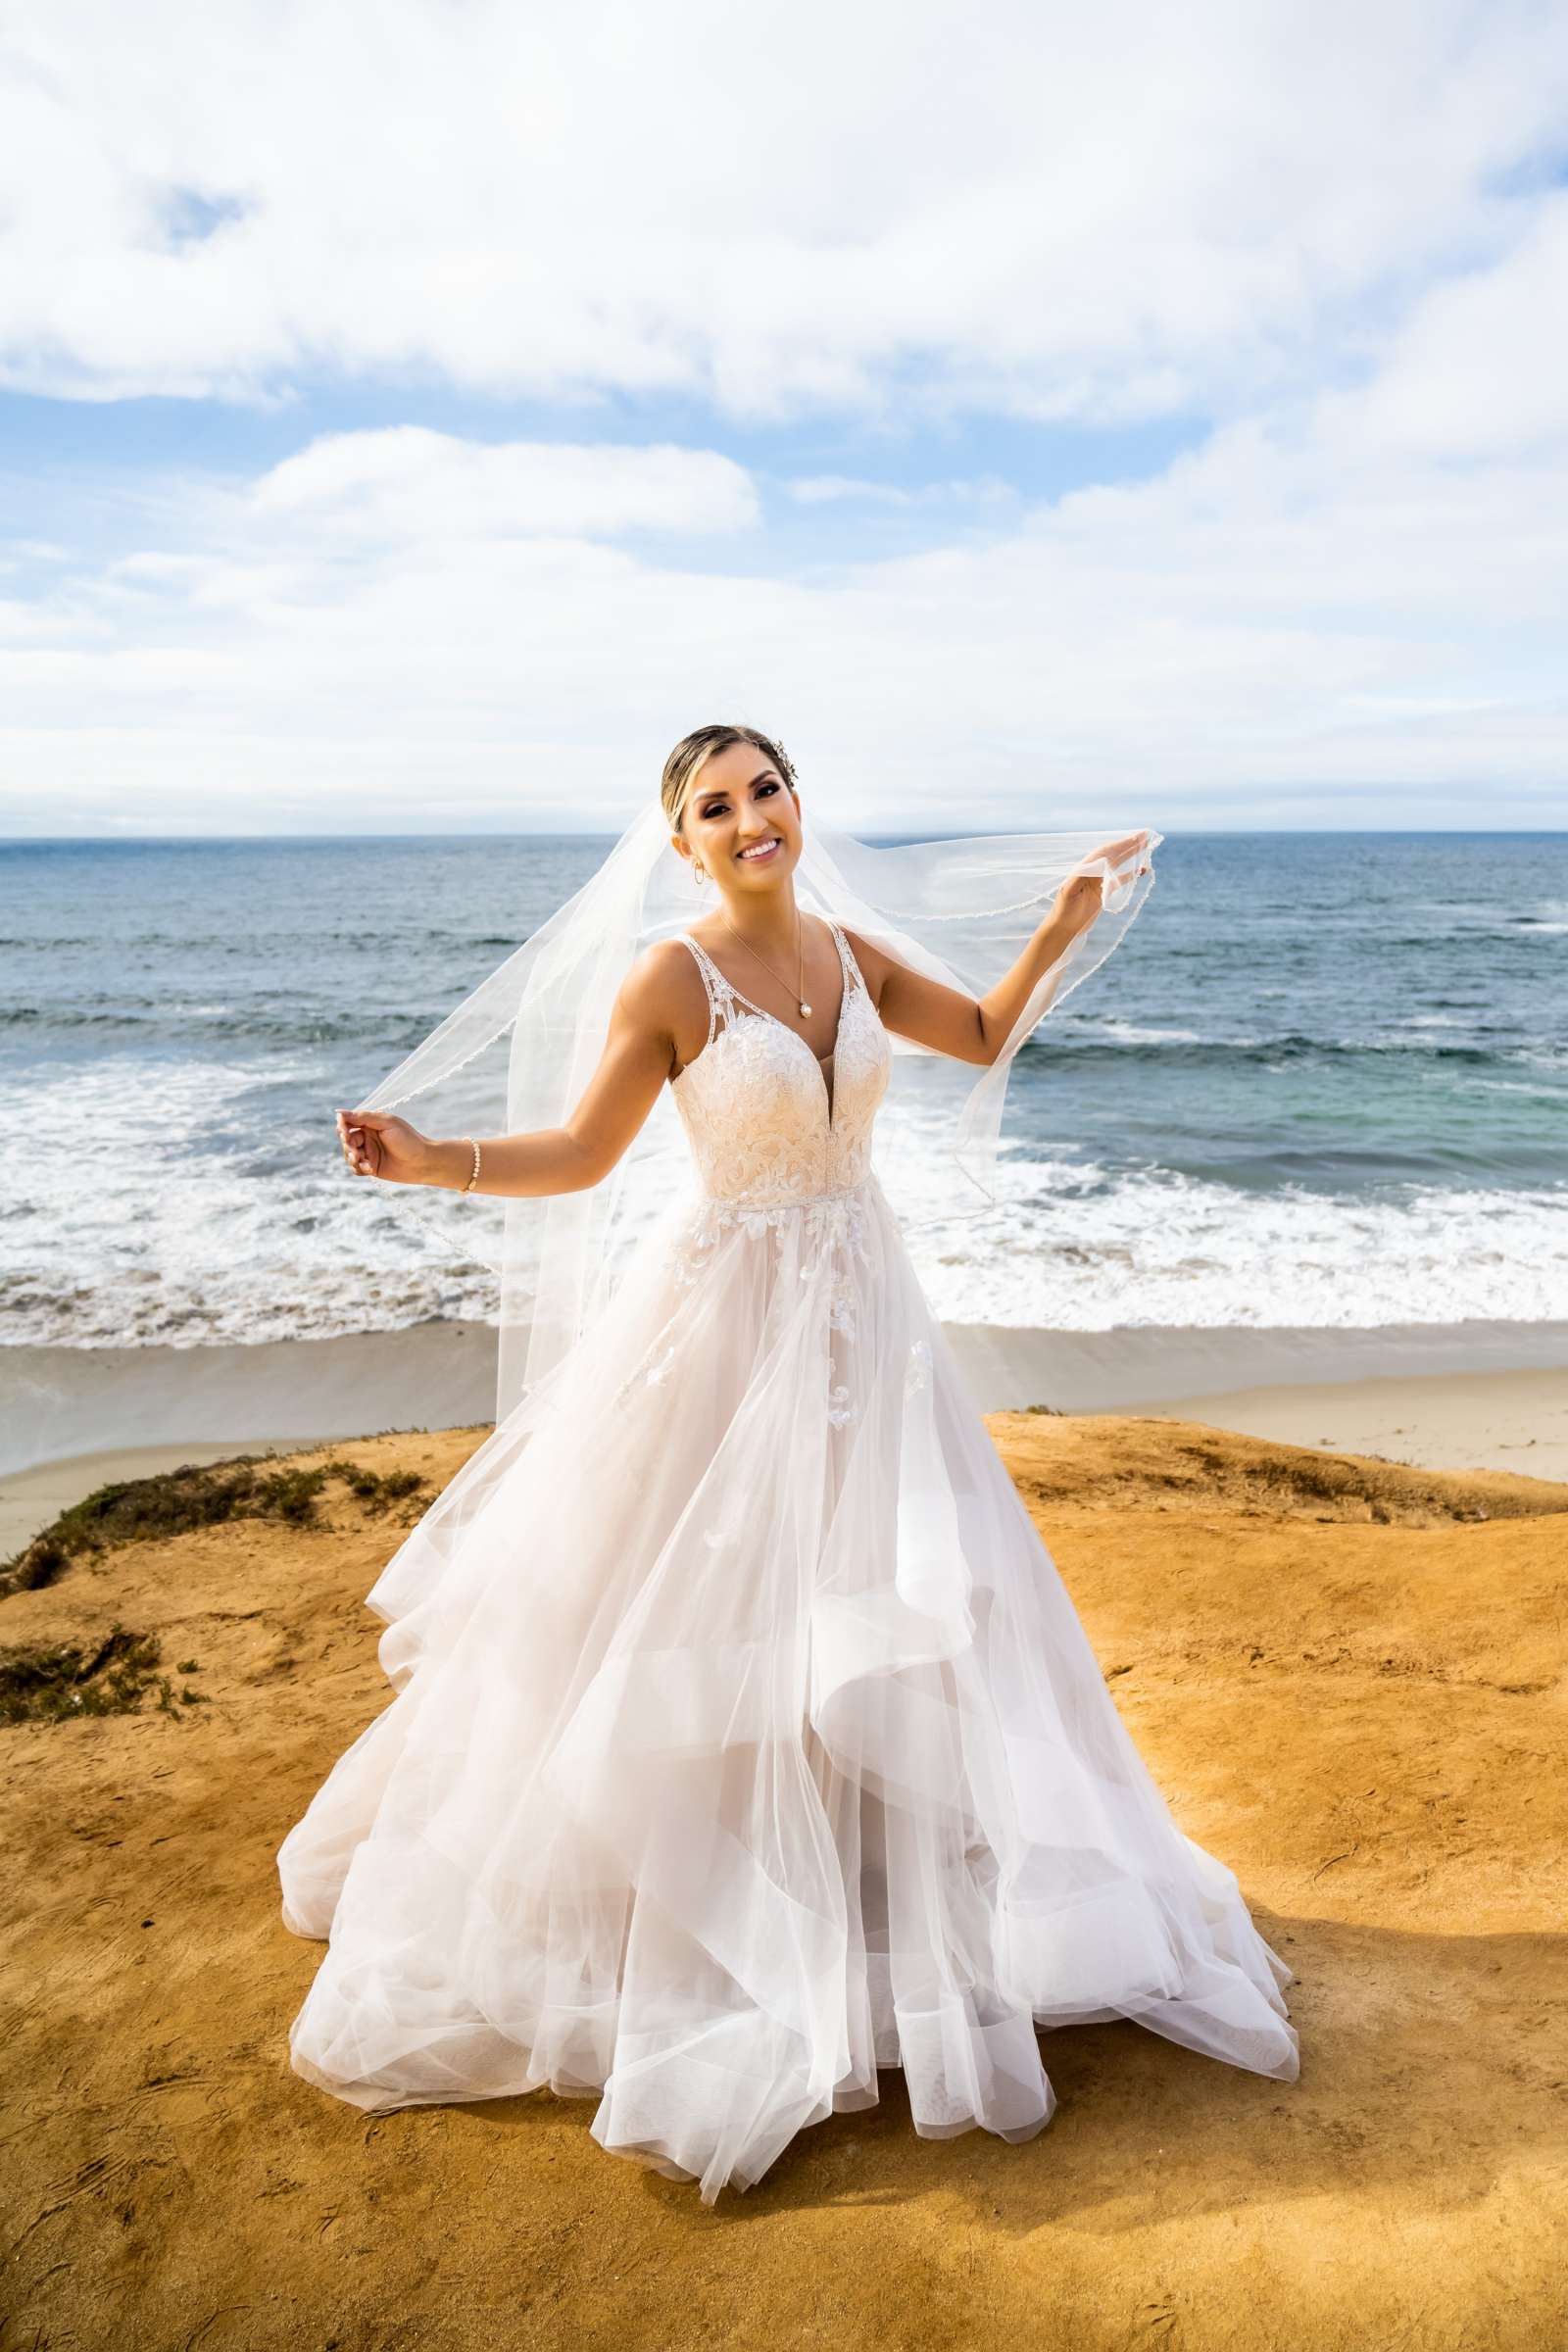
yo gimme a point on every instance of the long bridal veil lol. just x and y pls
(516, 1054)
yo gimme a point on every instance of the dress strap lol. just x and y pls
(712, 975)
(852, 970)
(723, 995)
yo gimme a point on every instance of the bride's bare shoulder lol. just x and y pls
(664, 990)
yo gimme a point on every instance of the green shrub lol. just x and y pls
(143, 1511)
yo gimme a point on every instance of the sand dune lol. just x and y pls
(1347, 1676)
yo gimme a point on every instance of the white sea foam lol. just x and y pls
(160, 1205)
(1078, 1248)
(155, 1195)
(138, 1221)
(1166, 1250)
(1132, 1033)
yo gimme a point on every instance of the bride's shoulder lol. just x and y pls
(662, 986)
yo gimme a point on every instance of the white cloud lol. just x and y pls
(1480, 366)
(409, 483)
(1274, 628)
(789, 206)
(1325, 240)
(830, 489)
(842, 489)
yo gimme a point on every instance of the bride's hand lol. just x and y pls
(1082, 896)
(376, 1143)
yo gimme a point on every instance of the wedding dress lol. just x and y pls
(745, 1738)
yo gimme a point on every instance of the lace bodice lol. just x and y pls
(756, 1105)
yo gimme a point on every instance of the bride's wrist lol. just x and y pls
(450, 1163)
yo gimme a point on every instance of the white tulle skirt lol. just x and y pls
(746, 1741)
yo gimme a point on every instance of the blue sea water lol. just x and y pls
(1325, 1081)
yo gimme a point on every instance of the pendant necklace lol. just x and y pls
(800, 933)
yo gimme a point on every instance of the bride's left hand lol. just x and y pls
(1082, 896)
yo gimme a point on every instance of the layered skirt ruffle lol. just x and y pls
(744, 1741)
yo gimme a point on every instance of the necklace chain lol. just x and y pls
(799, 934)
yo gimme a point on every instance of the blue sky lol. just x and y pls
(63, 455)
(416, 418)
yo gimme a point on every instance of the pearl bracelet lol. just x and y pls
(474, 1178)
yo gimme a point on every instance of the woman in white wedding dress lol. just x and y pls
(745, 1740)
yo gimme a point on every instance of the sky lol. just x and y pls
(416, 415)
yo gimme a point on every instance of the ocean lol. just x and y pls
(1323, 1083)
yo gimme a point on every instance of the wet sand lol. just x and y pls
(292, 1393)
(1347, 1678)
(1454, 1421)
(56, 1402)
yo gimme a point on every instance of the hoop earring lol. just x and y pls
(699, 869)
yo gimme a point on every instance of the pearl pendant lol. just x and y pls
(806, 1013)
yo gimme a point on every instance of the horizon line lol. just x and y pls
(905, 839)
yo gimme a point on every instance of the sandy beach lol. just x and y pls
(1345, 1675)
(1455, 1420)
(1476, 1397)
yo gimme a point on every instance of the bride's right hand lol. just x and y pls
(376, 1143)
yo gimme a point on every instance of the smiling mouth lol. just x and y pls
(759, 852)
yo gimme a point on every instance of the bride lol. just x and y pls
(745, 1740)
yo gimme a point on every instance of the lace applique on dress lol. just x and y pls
(779, 1160)
(755, 1102)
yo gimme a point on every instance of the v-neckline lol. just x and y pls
(845, 954)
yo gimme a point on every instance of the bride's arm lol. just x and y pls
(657, 1003)
(975, 1029)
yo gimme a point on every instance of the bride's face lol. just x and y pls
(742, 822)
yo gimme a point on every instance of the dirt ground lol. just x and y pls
(1348, 1677)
